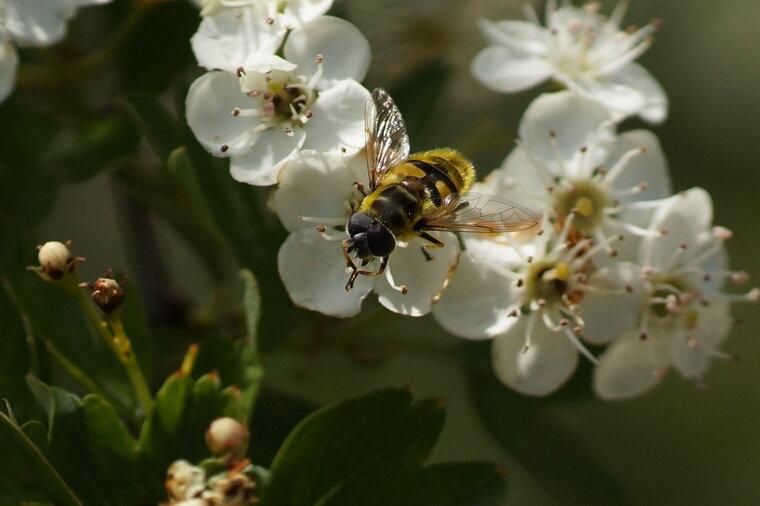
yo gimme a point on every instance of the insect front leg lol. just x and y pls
(435, 243)
(356, 271)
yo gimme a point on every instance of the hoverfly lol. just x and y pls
(411, 194)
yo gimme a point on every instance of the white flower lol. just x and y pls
(31, 23)
(584, 51)
(8, 64)
(570, 163)
(314, 200)
(233, 29)
(530, 294)
(184, 481)
(684, 313)
(273, 108)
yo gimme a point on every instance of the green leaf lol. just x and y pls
(158, 438)
(54, 401)
(534, 432)
(459, 484)
(94, 147)
(352, 451)
(416, 96)
(160, 129)
(113, 451)
(182, 168)
(48, 478)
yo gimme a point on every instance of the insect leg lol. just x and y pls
(356, 271)
(435, 243)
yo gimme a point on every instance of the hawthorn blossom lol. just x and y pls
(529, 293)
(683, 311)
(571, 163)
(27, 23)
(316, 195)
(271, 107)
(584, 51)
(231, 36)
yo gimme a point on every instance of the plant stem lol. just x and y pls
(120, 345)
(64, 72)
(123, 347)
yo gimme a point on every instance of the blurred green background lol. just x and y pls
(674, 445)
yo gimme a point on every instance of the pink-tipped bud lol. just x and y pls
(227, 436)
(106, 292)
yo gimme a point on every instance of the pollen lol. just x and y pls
(584, 206)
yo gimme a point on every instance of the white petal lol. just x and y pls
(37, 22)
(314, 184)
(345, 51)
(477, 301)
(263, 161)
(521, 36)
(225, 40)
(613, 310)
(649, 167)
(526, 181)
(654, 102)
(502, 69)
(314, 274)
(209, 105)
(685, 218)
(493, 251)
(8, 65)
(692, 349)
(575, 122)
(627, 368)
(542, 368)
(298, 12)
(338, 119)
(424, 278)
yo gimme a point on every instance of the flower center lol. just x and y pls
(548, 282)
(587, 200)
(282, 99)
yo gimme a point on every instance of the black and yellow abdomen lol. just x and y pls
(416, 189)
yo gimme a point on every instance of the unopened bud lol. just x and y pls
(227, 436)
(106, 292)
(56, 261)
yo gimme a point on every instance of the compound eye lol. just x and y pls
(381, 241)
(358, 223)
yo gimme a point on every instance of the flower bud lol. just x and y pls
(56, 261)
(106, 292)
(227, 436)
(184, 481)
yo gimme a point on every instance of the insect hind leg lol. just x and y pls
(434, 243)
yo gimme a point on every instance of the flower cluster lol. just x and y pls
(263, 101)
(227, 479)
(25, 23)
(617, 264)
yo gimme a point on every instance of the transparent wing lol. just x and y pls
(479, 213)
(385, 133)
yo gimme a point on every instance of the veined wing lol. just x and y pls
(385, 134)
(479, 213)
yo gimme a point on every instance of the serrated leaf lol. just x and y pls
(375, 435)
(113, 450)
(457, 484)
